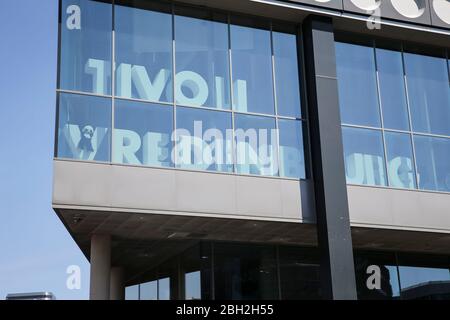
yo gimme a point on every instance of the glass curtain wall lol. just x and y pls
(237, 271)
(395, 113)
(152, 84)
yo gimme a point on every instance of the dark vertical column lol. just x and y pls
(175, 281)
(206, 270)
(333, 223)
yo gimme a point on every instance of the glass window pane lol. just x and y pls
(429, 93)
(195, 265)
(84, 128)
(85, 56)
(299, 273)
(286, 74)
(364, 156)
(358, 97)
(400, 160)
(204, 140)
(292, 159)
(252, 70)
(193, 285)
(424, 277)
(132, 293)
(256, 145)
(164, 289)
(369, 263)
(142, 134)
(149, 291)
(433, 165)
(245, 272)
(392, 89)
(413, 277)
(143, 54)
(202, 63)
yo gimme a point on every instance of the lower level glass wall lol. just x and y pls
(233, 271)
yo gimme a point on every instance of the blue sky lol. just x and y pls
(35, 248)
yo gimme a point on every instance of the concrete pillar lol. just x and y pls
(117, 284)
(100, 267)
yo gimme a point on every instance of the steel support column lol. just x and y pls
(333, 223)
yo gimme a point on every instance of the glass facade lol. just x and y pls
(235, 271)
(202, 64)
(84, 129)
(395, 113)
(159, 85)
(86, 47)
(215, 144)
(142, 133)
(169, 86)
(143, 54)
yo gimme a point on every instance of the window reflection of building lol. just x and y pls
(364, 157)
(84, 130)
(167, 59)
(389, 287)
(394, 102)
(433, 290)
(221, 270)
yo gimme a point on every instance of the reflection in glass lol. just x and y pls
(421, 276)
(433, 165)
(85, 55)
(364, 156)
(84, 127)
(299, 273)
(385, 287)
(256, 145)
(292, 159)
(424, 277)
(392, 89)
(202, 63)
(252, 70)
(142, 134)
(429, 93)
(286, 74)
(400, 160)
(245, 272)
(358, 98)
(204, 139)
(144, 41)
(143, 54)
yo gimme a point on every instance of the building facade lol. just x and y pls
(256, 149)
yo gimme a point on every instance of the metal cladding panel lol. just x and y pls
(333, 225)
(440, 13)
(415, 11)
(331, 4)
(361, 6)
(424, 12)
